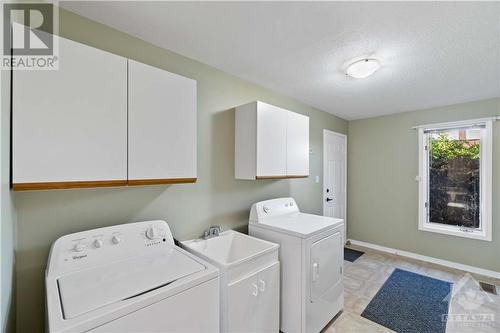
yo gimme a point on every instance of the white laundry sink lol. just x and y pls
(229, 248)
(249, 280)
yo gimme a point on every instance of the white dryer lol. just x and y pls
(311, 255)
(129, 278)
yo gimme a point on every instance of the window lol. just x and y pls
(455, 178)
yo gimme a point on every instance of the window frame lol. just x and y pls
(486, 154)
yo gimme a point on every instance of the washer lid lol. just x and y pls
(300, 224)
(90, 289)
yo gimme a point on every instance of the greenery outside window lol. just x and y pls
(455, 168)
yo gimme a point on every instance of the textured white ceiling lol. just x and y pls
(432, 53)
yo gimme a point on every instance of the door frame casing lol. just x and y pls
(344, 137)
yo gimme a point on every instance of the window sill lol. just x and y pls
(455, 231)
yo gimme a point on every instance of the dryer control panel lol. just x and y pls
(273, 208)
(100, 246)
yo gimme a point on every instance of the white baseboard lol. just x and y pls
(451, 264)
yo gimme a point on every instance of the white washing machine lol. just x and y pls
(311, 255)
(129, 278)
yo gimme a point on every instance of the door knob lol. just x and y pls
(315, 272)
(329, 199)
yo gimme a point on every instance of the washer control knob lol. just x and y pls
(78, 247)
(97, 243)
(115, 239)
(152, 233)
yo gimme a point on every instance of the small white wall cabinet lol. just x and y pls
(162, 126)
(253, 302)
(69, 126)
(101, 120)
(270, 142)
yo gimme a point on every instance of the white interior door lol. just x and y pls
(335, 176)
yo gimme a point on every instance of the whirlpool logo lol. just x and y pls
(79, 257)
(28, 35)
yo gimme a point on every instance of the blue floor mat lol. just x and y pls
(410, 303)
(351, 255)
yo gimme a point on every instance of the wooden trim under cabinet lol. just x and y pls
(271, 177)
(67, 185)
(97, 183)
(281, 177)
(136, 182)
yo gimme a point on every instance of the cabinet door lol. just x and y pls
(297, 145)
(242, 305)
(326, 265)
(271, 141)
(162, 126)
(70, 125)
(269, 298)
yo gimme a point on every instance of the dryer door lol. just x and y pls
(325, 265)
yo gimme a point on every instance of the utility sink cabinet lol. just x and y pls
(249, 280)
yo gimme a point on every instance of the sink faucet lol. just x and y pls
(213, 231)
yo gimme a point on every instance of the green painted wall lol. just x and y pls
(383, 193)
(217, 198)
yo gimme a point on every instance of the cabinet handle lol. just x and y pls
(262, 285)
(315, 273)
(255, 291)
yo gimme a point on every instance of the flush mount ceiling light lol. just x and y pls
(363, 68)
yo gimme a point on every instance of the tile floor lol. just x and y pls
(471, 310)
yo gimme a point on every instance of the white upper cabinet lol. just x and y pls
(101, 120)
(70, 125)
(270, 142)
(161, 126)
(297, 144)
